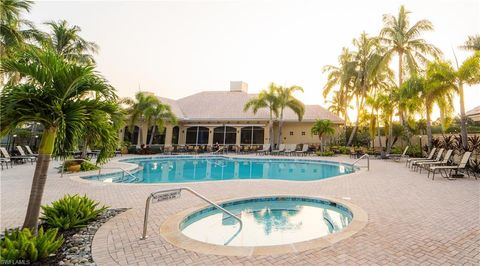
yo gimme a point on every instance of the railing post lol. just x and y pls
(145, 218)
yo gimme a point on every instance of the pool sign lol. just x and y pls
(168, 195)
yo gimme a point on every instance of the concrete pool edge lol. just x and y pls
(170, 231)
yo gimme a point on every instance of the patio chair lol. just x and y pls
(304, 150)
(290, 148)
(398, 157)
(30, 152)
(437, 159)
(91, 153)
(281, 149)
(11, 159)
(429, 157)
(461, 166)
(23, 154)
(444, 161)
(265, 149)
(5, 161)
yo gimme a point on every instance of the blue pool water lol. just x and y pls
(178, 169)
(267, 221)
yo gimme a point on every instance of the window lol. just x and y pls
(303, 133)
(252, 135)
(224, 135)
(197, 135)
(291, 133)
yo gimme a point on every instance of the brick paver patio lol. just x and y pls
(412, 220)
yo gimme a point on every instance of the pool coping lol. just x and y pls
(129, 166)
(170, 231)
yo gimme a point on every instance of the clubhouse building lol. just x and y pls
(211, 117)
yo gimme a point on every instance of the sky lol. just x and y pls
(178, 48)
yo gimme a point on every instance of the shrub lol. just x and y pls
(23, 245)
(88, 166)
(325, 153)
(71, 212)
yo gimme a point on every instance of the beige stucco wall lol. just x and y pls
(301, 133)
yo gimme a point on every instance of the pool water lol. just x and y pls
(267, 221)
(178, 169)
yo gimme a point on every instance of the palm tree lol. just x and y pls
(287, 100)
(136, 109)
(265, 99)
(322, 127)
(156, 115)
(368, 64)
(467, 73)
(472, 44)
(341, 76)
(404, 40)
(339, 104)
(65, 39)
(53, 92)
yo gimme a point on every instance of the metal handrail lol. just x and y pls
(364, 156)
(149, 199)
(123, 171)
(67, 160)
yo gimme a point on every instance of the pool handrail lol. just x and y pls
(364, 156)
(149, 199)
(123, 171)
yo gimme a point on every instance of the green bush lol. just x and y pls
(23, 245)
(325, 153)
(88, 166)
(71, 212)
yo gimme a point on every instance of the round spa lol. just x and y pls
(267, 221)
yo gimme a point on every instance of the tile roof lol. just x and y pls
(228, 105)
(474, 111)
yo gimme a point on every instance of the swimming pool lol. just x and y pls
(267, 221)
(180, 169)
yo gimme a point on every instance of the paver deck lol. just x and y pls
(412, 220)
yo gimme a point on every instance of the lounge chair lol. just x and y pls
(30, 152)
(437, 159)
(281, 149)
(398, 157)
(91, 153)
(265, 149)
(22, 153)
(429, 157)
(444, 161)
(221, 150)
(5, 161)
(290, 148)
(304, 150)
(461, 166)
(9, 158)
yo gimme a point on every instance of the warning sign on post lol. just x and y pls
(163, 196)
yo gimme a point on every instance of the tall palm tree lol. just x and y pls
(322, 127)
(466, 73)
(472, 43)
(156, 115)
(65, 39)
(340, 104)
(137, 109)
(403, 39)
(368, 64)
(52, 92)
(287, 100)
(265, 99)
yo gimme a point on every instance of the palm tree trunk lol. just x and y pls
(280, 125)
(400, 81)
(429, 130)
(390, 135)
(463, 117)
(270, 130)
(151, 136)
(321, 143)
(359, 107)
(39, 178)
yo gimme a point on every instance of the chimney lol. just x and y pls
(238, 86)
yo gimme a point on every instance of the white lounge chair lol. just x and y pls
(265, 149)
(281, 149)
(461, 166)
(304, 150)
(28, 157)
(429, 157)
(9, 158)
(30, 152)
(444, 161)
(398, 157)
(437, 159)
(290, 148)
